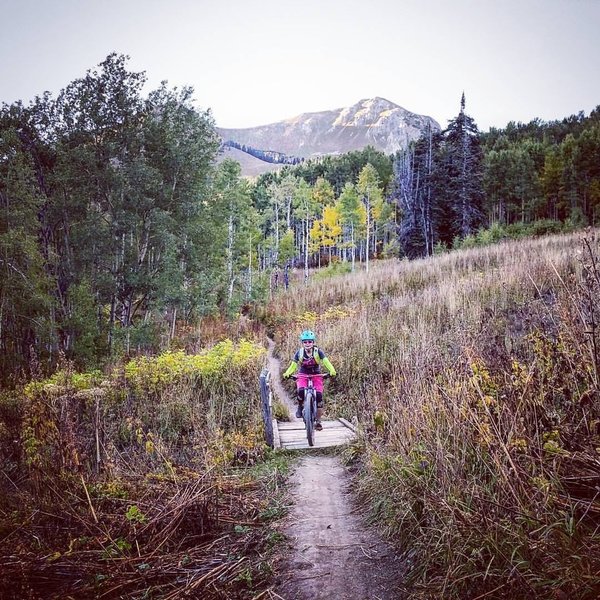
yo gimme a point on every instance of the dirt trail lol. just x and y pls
(332, 554)
(274, 366)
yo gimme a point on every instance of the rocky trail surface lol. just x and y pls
(331, 552)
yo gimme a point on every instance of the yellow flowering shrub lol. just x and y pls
(334, 313)
(236, 447)
(58, 383)
(154, 373)
(307, 318)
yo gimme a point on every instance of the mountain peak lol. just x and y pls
(379, 101)
(373, 122)
(369, 111)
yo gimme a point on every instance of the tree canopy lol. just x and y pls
(118, 223)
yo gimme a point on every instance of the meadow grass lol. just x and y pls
(474, 377)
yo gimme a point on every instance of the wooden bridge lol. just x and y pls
(291, 435)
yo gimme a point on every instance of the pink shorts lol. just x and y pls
(302, 382)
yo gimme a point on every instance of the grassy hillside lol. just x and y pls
(251, 166)
(475, 379)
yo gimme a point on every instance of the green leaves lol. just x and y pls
(106, 213)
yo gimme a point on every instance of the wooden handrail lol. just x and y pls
(266, 396)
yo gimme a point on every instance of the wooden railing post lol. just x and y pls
(265, 396)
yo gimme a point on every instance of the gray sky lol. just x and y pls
(255, 62)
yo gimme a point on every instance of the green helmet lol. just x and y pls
(307, 335)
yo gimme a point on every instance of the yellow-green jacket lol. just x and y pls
(309, 366)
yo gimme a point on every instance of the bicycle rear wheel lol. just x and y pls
(309, 416)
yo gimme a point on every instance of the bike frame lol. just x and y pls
(309, 412)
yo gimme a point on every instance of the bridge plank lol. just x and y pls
(292, 435)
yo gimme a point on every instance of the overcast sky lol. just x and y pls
(253, 62)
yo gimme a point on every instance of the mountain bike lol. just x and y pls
(309, 412)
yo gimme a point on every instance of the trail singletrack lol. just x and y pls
(331, 553)
(274, 366)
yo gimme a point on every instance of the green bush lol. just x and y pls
(545, 227)
(337, 268)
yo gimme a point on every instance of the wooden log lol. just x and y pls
(347, 424)
(266, 406)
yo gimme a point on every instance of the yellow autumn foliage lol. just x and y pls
(155, 372)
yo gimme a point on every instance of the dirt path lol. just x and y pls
(274, 366)
(331, 552)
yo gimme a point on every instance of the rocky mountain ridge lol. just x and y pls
(373, 122)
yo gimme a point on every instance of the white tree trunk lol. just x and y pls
(368, 232)
(306, 252)
(230, 256)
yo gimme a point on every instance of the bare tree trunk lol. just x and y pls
(230, 256)
(428, 214)
(306, 252)
(276, 232)
(173, 322)
(353, 248)
(111, 323)
(368, 232)
(289, 212)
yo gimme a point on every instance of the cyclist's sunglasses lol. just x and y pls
(308, 341)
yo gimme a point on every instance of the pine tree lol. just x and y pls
(26, 302)
(407, 182)
(417, 191)
(463, 173)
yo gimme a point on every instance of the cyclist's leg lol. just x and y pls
(301, 389)
(319, 410)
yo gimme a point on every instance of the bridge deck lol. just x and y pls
(292, 436)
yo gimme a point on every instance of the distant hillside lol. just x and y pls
(271, 156)
(371, 122)
(251, 166)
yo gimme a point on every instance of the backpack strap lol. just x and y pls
(300, 355)
(317, 355)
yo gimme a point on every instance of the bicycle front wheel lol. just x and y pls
(309, 417)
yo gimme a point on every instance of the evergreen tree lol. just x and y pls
(26, 304)
(419, 187)
(463, 168)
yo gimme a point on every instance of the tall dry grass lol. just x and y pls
(475, 378)
(135, 483)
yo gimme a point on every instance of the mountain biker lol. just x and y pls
(309, 358)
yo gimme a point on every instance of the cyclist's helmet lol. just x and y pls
(307, 335)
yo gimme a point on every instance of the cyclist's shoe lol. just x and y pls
(299, 411)
(318, 426)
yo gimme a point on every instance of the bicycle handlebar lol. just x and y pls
(323, 375)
